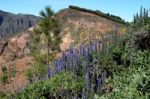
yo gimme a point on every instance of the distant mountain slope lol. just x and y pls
(14, 23)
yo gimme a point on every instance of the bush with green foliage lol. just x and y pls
(2, 95)
(29, 74)
(37, 70)
(138, 36)
(4, 69)
(4, 77)
(132, 82)
(13, 71)
(139, 40)
(62, 85)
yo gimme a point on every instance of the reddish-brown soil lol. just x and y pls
(19, 81)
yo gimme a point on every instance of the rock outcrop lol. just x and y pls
(15, 47)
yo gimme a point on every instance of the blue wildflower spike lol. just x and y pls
(99, 85)
(49, 72)
(92, 91)
(87, 80)
(71, 50)
(83, 94)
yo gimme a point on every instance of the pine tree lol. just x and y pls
(48, 29)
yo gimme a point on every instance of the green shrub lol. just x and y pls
(59, 85)
(12, 73)
(2, 95)
(138, 36)
(29, 74)
(139, 40)
(4, 69)
(4, 78)
(132, 82)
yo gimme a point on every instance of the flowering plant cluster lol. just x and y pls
(82, 62)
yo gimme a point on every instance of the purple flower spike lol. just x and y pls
(92, 91)
(49, 73)
(93, 48)
(104, 76)
(84, 64)
(99, 85)
(87, 80)
(83, 94)
(71, 50)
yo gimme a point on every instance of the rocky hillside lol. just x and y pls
(14, 23)
(14, 39)
(75, 28)
(14, 55)
(15, 47)
(77, 24)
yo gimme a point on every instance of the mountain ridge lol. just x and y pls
(100, 13)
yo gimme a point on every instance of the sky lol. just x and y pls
(123, 8)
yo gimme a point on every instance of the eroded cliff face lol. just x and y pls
(14, 23)
(14, 47)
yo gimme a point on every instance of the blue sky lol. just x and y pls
(123, 8)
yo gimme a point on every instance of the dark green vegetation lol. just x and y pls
(131, 79)
(4, 78)
(99, 13)
(7, 73)
(63, 85)
(115, 67)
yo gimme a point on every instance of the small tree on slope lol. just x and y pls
(48, 34)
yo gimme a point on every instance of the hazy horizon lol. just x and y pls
(124, 9)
